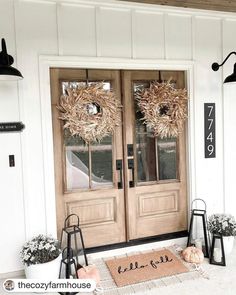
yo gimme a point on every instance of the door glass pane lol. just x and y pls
(102, 163)
(145, 145)
(167, 158)
(77, 154)
(75, 84)
(76, 162)
(71, 85)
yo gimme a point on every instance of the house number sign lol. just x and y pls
(209, 130)
(11, 126)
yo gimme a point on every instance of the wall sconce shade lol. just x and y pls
(7, 72)
(231, 78)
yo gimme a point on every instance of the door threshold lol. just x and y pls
(138, 242)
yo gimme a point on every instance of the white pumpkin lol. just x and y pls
(193, 255)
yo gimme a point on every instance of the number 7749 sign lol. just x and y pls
(210, 130)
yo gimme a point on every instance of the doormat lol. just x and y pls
(144, 267)
(108, 286)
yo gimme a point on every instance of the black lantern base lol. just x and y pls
(212, 260)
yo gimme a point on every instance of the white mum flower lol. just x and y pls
(47, 246)
(53, 248)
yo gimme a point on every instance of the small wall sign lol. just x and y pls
(209, 130)
(11, 126)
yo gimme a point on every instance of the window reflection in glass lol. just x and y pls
(167, 158)
(102, 163)
(145, 144)
(77, 84)
(76, 162)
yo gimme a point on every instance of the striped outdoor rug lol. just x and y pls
(109, 287)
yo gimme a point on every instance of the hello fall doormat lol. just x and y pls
(145, 266)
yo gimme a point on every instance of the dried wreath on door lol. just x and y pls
(90, 111)
(164, 108)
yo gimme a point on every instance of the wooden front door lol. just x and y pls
(156, 199)
(129, 186)
(86, 176)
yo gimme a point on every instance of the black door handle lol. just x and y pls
(119, 168)
(131, 166)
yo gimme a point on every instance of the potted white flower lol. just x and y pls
(41, 257)
(225, 225)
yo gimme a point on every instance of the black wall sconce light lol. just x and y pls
(231, 78)
(7, 72)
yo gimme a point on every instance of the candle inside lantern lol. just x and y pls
(198, 243)
(217, 255)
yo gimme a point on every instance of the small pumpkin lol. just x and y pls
(193, 255)
(89, 272)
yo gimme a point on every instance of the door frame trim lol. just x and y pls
(46, 62)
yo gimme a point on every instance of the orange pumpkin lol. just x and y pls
(193, 255)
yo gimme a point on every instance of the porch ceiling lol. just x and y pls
(221, 5)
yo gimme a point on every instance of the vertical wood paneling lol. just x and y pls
(229, 103)
(11, 207)
(208, 88)
(114, 32)
(148, 35)
(77, 32)
(36, 33)
(178, 30)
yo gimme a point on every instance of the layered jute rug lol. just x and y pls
(147, 275)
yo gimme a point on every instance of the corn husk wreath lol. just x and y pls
(164, 108)
(90, 127)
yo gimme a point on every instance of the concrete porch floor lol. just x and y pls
(222, 280)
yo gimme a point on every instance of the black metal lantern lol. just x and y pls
(195, 240)
(72, 238)
(68, 269)
(217, 253)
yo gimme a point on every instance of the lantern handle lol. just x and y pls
(198, 200)
(67, 220)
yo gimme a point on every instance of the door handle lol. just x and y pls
(131, 166)
(119, 168)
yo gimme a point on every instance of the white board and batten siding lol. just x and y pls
(107, 29)
(229, 44)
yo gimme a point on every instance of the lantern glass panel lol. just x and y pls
(217, 251)
(68, 265)
(197, 237)
(67, 270)
(77, 247)
(71, 238)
